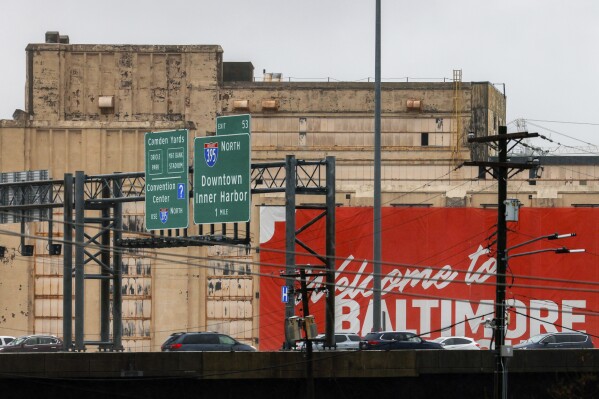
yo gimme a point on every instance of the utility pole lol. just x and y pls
(308, 333)
(502, 176)
(309, 368)
(377, 246)
(500, 170)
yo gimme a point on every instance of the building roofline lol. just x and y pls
(143, 48)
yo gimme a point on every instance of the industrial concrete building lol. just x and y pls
(88, 107)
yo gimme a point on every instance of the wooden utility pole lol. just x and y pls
(500, 170)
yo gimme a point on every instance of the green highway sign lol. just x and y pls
(233, 124)
(167, 198)
(221, 179)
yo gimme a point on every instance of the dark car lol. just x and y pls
(33, 343)
(555, 340)
(203, 342)
(389, 340)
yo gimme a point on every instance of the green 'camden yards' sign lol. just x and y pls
(221, 179)
(167, 170)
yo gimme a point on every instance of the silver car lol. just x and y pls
(343, 342)
(460, 343)
(5, 339)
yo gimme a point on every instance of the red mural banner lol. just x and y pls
(438, 272)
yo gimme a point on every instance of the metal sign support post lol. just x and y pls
(290, 185)
(67, 286)
(79, 261)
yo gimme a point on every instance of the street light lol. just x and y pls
(562, 250)
(500, 325)
(550, 237)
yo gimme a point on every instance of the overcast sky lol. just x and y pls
(543, 51)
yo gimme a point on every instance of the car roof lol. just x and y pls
(456, 336)
(38, 335)
(196, 332)
(559, 333)
(338, 333)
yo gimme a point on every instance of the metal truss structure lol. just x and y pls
(80, 195)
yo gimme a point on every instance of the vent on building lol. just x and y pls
(241, 105)
(270, 105)
(273, 77)
(414, 105)
(52, 37)
(20, 115)
(106, 102)
(55, 37)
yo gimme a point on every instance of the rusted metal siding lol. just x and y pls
(48, 298)
(229, 295)
(137, 302)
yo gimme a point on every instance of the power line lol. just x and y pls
(410, 276)
(565, 122)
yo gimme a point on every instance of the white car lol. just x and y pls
(461, 343)
(343, 342)
(5, 339)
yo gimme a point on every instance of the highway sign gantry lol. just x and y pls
(167, 176)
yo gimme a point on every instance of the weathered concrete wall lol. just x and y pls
(16, 286)
(147, 83)
(12, 149)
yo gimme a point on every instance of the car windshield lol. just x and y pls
(440, 339)
(170, 339)
(537, 338)
(18, 341)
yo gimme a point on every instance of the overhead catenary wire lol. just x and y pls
(124, 250)
(412, 276)
(594, 147)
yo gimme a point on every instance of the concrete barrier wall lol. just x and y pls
(288, 365)
(410, 374)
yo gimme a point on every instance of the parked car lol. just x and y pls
(388, 340)
(33, 343)
(460, 343)
(204, 342)
(343, 342)
(5, 339)
(557, 340)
